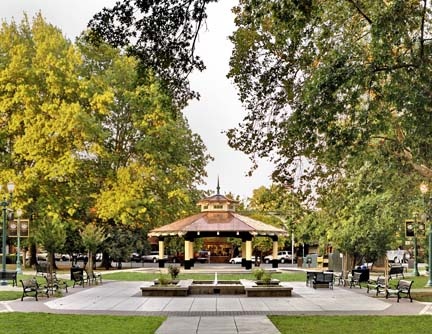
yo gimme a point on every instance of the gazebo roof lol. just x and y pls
(217, 217)
(217, 221)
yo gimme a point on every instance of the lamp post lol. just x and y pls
(415, 271)
(424, 189)
(18, 261)
(5, 203)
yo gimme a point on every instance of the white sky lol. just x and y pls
(218, 109)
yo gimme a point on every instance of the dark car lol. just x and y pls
(135, 257)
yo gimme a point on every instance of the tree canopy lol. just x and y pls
(161, 34)
(327, 80)
(83, 138)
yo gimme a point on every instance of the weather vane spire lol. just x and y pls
(218, 187)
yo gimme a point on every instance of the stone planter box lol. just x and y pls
(268, 291)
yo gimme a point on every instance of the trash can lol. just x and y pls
(76, 270)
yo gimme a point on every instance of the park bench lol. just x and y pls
(9, 276)
(93, 277)
(31, 288)
(396, 271)
(53, 283)
(324, 279)
(403, 290)
(42, 268)
(355, 280)
(79, 279)
(379, 285)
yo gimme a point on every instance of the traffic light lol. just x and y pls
(409, 228)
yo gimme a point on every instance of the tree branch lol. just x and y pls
(422, 30)
(361, 12)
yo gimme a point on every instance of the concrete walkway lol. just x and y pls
(219, 313)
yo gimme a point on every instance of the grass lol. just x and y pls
(45, 323)
(136, 276)
(353, 324)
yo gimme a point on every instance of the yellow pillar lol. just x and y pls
(243, 249)
(248, 250)
(275, 249)
(187, 250)
(161, 249)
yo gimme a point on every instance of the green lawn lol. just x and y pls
(136, 276)
(45, 323)
(353, 324)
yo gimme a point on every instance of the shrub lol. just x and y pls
(258, 273)
(164, 280)
(266, 278)
(173, 271)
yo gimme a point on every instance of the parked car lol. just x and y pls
(61, 257)
(238, 259)
(135, 257)
(282, 256)
(152, 257)
(203, 256)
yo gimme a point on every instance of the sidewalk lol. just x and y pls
(216, 313)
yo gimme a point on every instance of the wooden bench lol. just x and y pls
(79, 279)
(9, 276)
(31, 288)
(403, 290)
(53, 283)
(355, 280)
(93, 277)
(378, 285)
(324, 279)
(395, 271)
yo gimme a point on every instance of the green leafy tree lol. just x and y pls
(92, 236)
(51, 236)
(85, 139)
(326, 80)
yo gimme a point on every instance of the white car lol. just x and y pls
(282, 256)
(238, 260)
(152, 257)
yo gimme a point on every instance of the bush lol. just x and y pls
(258, 273)
(266, 278)
(173, 271)
(164, 280)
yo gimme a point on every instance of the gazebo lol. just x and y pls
(217, 219)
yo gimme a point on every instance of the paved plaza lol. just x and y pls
(216, 313)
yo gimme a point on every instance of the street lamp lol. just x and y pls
(415, 272)
(5, 203)
(18, 261)
(424, 189)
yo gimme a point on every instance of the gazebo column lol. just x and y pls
(161, 253)
(275, 261)
(248, 253)
(191, 253)
(187, 261)
(243, 251)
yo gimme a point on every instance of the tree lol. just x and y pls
(84, 139)
(162, 34)
(326, 80)
(51, 235)
(92, 236)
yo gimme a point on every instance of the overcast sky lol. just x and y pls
(216, 111)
